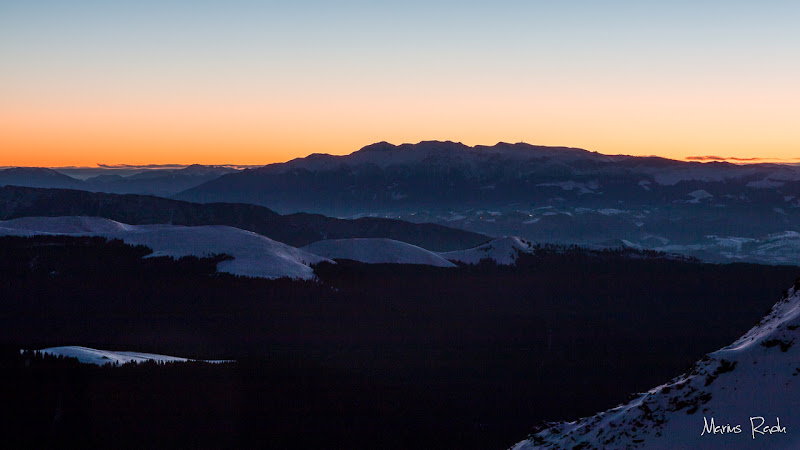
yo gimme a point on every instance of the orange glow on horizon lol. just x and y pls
(131, 128)
(254, 83)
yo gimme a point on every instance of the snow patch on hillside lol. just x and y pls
(375, 251)
(757, 377)
(584, 188)
(503, 250)
(254, 255)
(698, 195)
(87, 355)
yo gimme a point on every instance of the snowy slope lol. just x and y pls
(502, 250)
(758, 376)
(254, 255)
(101, 357)
(376, 251)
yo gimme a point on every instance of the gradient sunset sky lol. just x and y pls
(255, 82)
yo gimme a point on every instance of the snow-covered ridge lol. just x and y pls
(87, 355)
(254, 255)
(755, 379)
(384, 154)
(502, 250)
(472, 159)
(375, 251)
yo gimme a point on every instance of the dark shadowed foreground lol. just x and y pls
(369, 356)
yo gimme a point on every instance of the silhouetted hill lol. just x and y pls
(37, 177)
(296, 229)
(446, 175)
(156, 182)
(148, 181)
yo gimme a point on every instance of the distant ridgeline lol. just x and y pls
(295, 229)
(151, 181)
(439, 176)
(718, 212)
(481, 351)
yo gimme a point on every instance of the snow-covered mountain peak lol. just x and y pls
(741, 396)
(502, 250)
(428, 146)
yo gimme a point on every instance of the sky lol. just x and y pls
(256, 82)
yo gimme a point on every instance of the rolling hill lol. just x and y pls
(296, 230)
(254, 255)
(374, 251)
(502, 250)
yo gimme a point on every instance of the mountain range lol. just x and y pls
(424, 262)
(446, 175)
(543, 194)
(716, 211)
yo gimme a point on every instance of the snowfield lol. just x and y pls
(749, 389)
(87, 355)
(502, 250)
(376, 251)
(254, 255)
